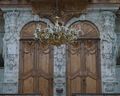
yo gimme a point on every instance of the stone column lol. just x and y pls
(59, 71)
(108, 52)
(1, 50)
(11, 52)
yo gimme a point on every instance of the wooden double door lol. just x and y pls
(35, 69)
(83, 63)
(83, 68)
(36, 63)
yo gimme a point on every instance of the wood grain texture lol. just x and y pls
(35, 64)
(83, 62)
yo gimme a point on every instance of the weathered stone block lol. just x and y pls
(1, 75)
(10, 88)
(10, 77)
(1, 88)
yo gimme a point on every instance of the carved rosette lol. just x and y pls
(108, 52)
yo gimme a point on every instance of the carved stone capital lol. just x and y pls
(108, 18)
(11, 17)
(108, 26)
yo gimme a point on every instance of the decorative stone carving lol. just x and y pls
(11, 51)
(15, 19)
(105, 21)
(60, 71)
(108, 51)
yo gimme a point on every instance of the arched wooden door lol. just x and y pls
(35, 63)
(83, 66)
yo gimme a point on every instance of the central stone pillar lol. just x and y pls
(59, 71)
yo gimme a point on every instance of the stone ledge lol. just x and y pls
(20, 95)
(96, 94)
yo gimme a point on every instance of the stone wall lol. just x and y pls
(117, 30)
(118, 78)
(1, 79)
(16, 18)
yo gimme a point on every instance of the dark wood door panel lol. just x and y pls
(82, 69)
(83, 65)
(35, 64)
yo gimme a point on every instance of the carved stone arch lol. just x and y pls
(28, 29)
(88, 29)
(35, 63)
(83, 64)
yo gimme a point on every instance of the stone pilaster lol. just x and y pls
(11, 52)
(108, 52)
(59, 71)
(15, 20)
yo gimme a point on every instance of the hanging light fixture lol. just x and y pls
(58, 34)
